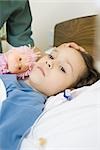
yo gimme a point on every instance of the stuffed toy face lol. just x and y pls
(20, 61)
(17, 62)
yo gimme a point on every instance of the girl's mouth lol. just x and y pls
(41, 70)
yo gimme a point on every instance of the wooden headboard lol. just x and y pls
(80, 30)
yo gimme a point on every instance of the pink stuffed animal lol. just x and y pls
(19, 61)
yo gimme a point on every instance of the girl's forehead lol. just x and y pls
(69, 54)
(64, 50)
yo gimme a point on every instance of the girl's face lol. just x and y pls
(57, 71)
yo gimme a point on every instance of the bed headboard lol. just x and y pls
(80, 30)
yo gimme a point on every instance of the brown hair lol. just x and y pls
(92, 75)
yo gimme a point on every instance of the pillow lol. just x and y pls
(2, 92)
(72, 125)
(59, 98)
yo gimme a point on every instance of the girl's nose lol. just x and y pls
(50, 64)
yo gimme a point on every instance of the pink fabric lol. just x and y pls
(3, 65)
(31, 58)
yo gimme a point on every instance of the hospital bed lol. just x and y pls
(75, 124)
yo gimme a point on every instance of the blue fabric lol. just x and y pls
(19, 111)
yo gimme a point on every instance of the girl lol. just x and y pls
(68, 66)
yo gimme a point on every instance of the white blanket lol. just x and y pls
(2, 92)
(68, 125)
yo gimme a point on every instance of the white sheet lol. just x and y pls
(2, 92)
(68, 125)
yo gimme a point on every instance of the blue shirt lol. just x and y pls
(19, 111)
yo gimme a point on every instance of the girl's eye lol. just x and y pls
(20, 59)
(50, 56)
(63, 70)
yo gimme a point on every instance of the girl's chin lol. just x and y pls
(37, 79)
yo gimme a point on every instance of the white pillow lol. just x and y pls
(72, 125)
(59, 98)
(2, 92)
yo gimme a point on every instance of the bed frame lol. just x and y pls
(80, 30)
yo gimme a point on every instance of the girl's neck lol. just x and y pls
(29, 83)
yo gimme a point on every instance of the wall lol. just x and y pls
(49, 12)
